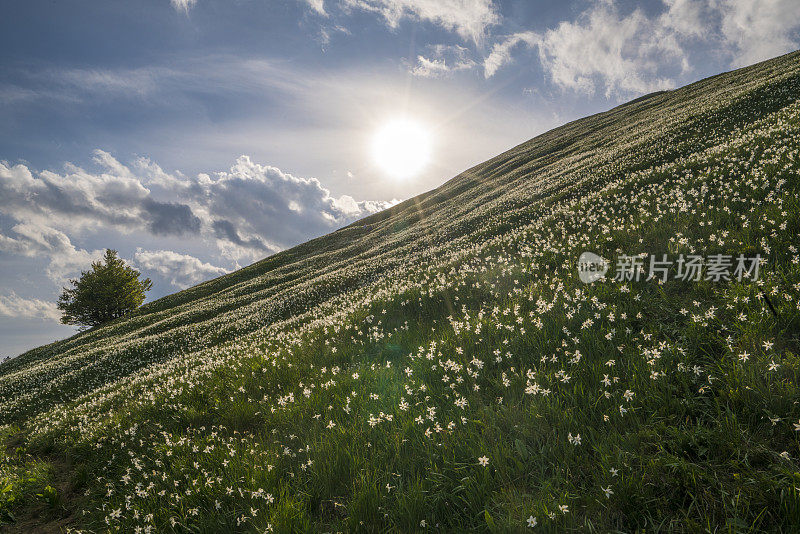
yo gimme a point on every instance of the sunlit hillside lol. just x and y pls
(440, 366)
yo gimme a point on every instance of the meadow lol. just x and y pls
(440, 366)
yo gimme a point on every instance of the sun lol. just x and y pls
(402, 148)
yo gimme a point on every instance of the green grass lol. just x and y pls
(355, 383)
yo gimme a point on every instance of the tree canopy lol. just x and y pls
(109, 290)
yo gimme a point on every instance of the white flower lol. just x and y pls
(531, 521)
(483, 460)
(608, 491)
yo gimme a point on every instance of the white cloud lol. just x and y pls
(138, 82)
(18, 307)
(68, 265)
(430, 68)
(112, 198)
(759, 29)
(36, 239)
(632, 53)
(622, 54)
(181, 270)
(604, 49)
(272, 206)
(470, 19)
(33, 238)
(317, 6)
(153, 84)
(183, 5)
(442, 61)
(326, 33)
(690, 18)
(501, 52)
(247, 212)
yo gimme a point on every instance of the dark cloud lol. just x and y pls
(275, 206)
(240, 215)
(225, 230)
(170, 218)
(83, 197)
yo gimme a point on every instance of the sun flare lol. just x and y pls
(402, 148)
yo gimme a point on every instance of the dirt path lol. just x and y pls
(39, 516)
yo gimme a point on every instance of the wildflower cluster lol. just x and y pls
(441, 366)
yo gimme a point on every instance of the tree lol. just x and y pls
(109, 290)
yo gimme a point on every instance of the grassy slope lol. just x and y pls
(357, 378)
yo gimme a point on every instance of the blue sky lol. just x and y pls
(197, 136)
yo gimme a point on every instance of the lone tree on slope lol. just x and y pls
(109, 290)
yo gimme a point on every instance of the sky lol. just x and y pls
(198, 136)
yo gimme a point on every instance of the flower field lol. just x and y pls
(440, 366)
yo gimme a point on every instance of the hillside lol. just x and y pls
(439, 366)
